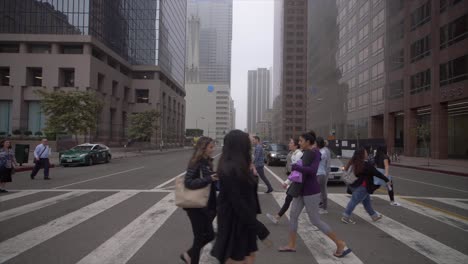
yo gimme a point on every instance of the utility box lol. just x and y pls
(21, 153)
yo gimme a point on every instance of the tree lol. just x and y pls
(143, 125)
(70, 112)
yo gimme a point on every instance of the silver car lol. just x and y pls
(336, 168)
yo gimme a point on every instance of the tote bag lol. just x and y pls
(188, 198)
(349, 177)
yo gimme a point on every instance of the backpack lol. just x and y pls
(349, 177)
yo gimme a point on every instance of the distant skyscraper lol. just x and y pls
(258, 97)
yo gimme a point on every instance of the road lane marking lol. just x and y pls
(173, 178)
(20, 193)
(317, 242)
(428, 247)
(274, 175)
(446, 217)
(101, 177)
(430, 184)
(8, 214)
(122, 246)
(16, 245)
(452, 202)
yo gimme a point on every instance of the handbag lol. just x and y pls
(349, 177)
(188, 198)
(295, 189)
(36, 160)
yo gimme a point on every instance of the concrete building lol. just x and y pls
(130, 54)
(426, 69)
(277, 72)
(258, 96)
(208, 67)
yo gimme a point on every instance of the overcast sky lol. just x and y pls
(252, 48)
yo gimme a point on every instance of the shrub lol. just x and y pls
(38, 133)
(16, 132)
(27, 133)
(3, 133)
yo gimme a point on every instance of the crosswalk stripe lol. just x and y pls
(452, 202)
(5, 215)
(318, 243)
(205, 256)
(19, 194)
(439, 215)
(122, 246)
(423, 244)
(25, 241)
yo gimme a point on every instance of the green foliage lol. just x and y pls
(16, 132)
(27, 133)
(70, 112)
(38, 133)
(193, 132)
(143, 125)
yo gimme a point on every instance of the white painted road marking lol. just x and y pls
(19, 194)
(16, 245)
(428, 247)
(123, 245)
(319, 244)
(430, 184)
(101, 177)
(452, 202)
(5, 215)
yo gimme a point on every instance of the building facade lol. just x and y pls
(208, 67)
(427, 70)
(277, 72)
(61, 46)
(258, 97)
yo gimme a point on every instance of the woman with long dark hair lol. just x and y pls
(382, 163)
(363, 186)
(199, 175)
(309, 197)
(7, 164)
(238, 203)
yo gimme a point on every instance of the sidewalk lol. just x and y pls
(117, 153)
(448, 166)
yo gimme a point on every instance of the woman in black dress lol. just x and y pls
(238, 203)
(7, 164)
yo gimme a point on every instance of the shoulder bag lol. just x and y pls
(349, 177)
(188, 198)
(295, 189)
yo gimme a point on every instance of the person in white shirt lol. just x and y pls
(322, 173)
(41, 159)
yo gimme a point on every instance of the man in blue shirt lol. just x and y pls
(259, 163)
(41, 159)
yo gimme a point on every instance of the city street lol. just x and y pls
(123, 212)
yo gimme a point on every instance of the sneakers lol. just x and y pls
(272, 218)
(323, 211)
(376, 218)
(347, 220)
(269, 191)
(395, 203)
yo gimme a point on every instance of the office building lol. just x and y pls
(258, 97)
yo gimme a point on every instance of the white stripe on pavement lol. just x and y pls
(428, 247)
(97, 178)
(319, 244)
(19, 194)
(274, 175)
(205, 256)
(123, 245)
(5, 215)
(437, 215)
(452, 202)
(25, 241)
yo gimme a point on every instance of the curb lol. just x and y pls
(30, 168)
(463, 174)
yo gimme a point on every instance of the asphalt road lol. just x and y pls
(123, 212)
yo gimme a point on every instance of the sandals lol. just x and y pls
(286, 249)
(344, 253)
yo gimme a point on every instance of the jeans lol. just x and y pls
(323, 180)
(44, 163)
(203, 233)
(261, 173)
(359, 195)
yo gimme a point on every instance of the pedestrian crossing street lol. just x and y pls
(144, 226)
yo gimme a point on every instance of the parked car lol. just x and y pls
(276, 154)
(336, 168)
(85, 154)
(265, 144)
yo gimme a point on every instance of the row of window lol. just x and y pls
(362, 100)
(377, 70)
(377, 46)
(377, 22)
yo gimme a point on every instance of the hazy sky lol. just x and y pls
(252, 48)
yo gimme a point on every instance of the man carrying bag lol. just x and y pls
(41, 159)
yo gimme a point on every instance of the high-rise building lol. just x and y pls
(130, 53)
(258, 97)
(427, 77)
(277, 73)
(208, 66)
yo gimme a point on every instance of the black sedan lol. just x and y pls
(276, 154)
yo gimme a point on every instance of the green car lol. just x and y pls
(85, 154)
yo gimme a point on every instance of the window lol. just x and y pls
(352, 43)
(363, 77)
(67, 77)
(454, 32)
(454, 71)
(351, 4)
(126, 93)
(39, 48)
(363, 33)
(397, 32)
(5, 76)
(352, 23)
(363, 55)
(352, 83)
(364, 10)
(377, 95)
(115, 87)
(377, 46)
(34, 76)
(395, 89)
(378, 20)
(420, 82)
(363, 100)
(35, 117)
(72, 49)
(377, 70)
(421, 48)
(9, 48)
(100, 84)
(351, 63)
(377, 2)
(142, 96)
(143, 75)
(421, 15)
(444, 4)
(397, 60)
